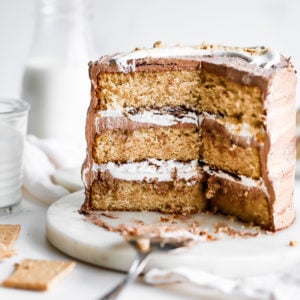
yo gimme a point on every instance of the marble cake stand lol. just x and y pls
(74, 235)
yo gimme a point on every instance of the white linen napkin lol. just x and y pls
(281, 286)
(42, 157)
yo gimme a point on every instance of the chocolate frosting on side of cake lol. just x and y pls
(233, 68)
(278, 154)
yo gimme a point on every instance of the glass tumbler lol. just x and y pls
(13, 126)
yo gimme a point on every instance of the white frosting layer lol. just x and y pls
(111, 113)
(265, 59)
(153, 116)
(162, 170)
(164, 119)
(246, 181)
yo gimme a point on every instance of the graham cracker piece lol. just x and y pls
(38, 275)
(8, 236)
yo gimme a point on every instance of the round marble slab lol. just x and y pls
(75, 235)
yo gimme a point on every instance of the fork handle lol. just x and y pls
(136, 268)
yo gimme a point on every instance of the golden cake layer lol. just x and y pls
(122, 145)
(200, 91)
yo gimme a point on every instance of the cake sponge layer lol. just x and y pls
(162, 143)
(170, 88)
(247, 203)
(221, 96)
(193, 89)
(167, 197)
(229, 152)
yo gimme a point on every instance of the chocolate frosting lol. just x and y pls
(232, 68)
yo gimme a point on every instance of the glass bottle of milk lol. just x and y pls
(55, 81)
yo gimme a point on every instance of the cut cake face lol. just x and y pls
(189, 129)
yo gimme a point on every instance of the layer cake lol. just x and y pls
(188, 129)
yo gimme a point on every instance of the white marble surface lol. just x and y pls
(229, 256)
(86, 281)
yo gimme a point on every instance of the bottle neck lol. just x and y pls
(62, 10)
(62, 31)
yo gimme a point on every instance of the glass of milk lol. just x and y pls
(13, 125)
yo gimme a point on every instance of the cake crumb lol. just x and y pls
(183, 217)
(109, 215)
(101, 223)
(143, 244)
(139, 222)
(232, 218)
(224, 228)
(158, 44)
(294, 243)
(8, 236)
(165, 219)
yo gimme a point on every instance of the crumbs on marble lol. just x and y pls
(165, 219)
(109, 215)
(294, 243)
(139, 222)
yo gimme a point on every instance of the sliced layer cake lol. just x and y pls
(188, 129)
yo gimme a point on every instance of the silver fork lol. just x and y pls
(144, 248)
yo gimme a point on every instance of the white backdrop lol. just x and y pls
(123, 25)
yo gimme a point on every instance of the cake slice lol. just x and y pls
(189, 129)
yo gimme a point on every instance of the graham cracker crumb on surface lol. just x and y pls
(165, 219)
(37, 275)
(8, 235)
(294, 243)
(250, 50)
(158, 44)
(139, 222)
(224, 228)
(143, 244)
(231, 218)
(6, 253)
(109, 215)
